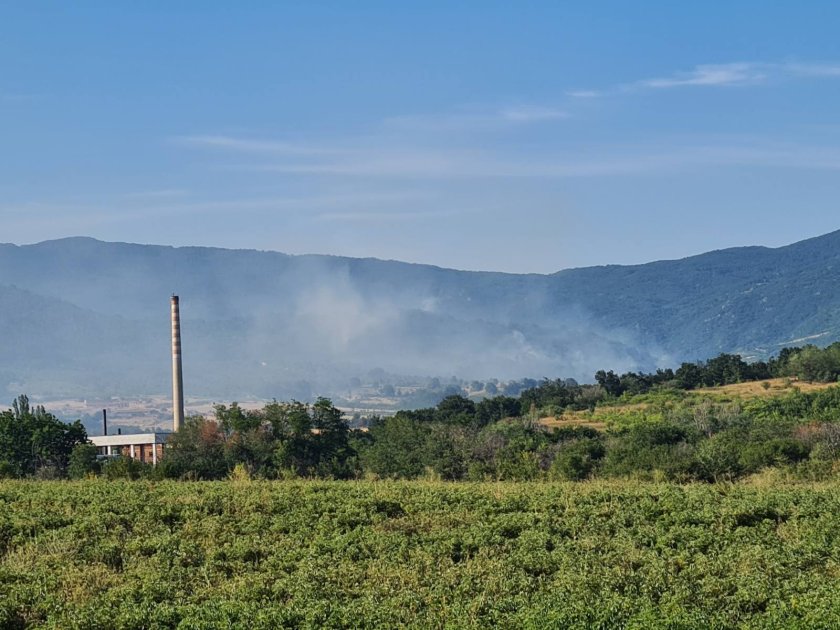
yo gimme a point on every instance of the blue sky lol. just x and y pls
(525, 137)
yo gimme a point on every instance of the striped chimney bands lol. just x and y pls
(177, 369)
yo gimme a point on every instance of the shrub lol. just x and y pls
(577, 459)
(779, 451)
(125, 468)
(719, 456)
(641, 449)
(83, 461)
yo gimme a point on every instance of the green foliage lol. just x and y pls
(396, 447)
(811, 363)
(197, 451)
(797, 407)
(577, 459)
(497, 408)
(256, 555)
(234, 419)
(719, 457)
(455, 409)
(647, 448)
(121, 467)
(664, 435)
(658, 431)
(773, 452)
(34, 442)
(84, 461)
(279, 440)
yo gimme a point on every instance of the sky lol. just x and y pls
(506, 136)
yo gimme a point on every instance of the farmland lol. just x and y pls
(762, 553)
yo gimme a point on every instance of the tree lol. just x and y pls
(577, 459)
(689, 376)
(234, 418)
(331, 438)
(455, 409)
(32, 440)
(498, 408)
(252, 448)
(196, 450)
(610, 382)
(396, 447)
(83, 461)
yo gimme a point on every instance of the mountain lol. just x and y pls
(84, 317)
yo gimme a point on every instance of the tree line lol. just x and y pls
(807, 363)
(696, 439)
(494, 438)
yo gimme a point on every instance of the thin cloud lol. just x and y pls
(532, 114)
(249, 145)
(165, 193)
(451, 146)
(100, 212)
(378, 217)
(813, 70)
(475, 120)
(712, 75)
(408, 163)
(583, 93)
(720, 75)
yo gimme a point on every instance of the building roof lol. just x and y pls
(128, 439)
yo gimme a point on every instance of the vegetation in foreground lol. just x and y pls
(259, 554)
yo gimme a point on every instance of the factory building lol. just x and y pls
(149, 447)
(146, 447)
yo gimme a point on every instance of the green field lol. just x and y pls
(250, 554)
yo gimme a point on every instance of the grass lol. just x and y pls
(254, 554)
(626, 411)
(755, 389)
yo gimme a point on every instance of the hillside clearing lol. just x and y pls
(601, 417)
(770, 387)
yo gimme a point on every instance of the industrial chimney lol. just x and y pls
(177, 370)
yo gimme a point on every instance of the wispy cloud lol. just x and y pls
(433, 145)
(711, 75)
(813, 70)
(475, 119)
(532, 114)
(164, 193)
(252, 145)
(98, 212)
(378, 217)
(742, 73)
(583, 93)
(410, 163)
(482, 142)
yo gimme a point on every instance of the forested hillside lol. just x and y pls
(269, 324)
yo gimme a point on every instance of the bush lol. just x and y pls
(121, 467)
(83, 461)
(719, 456)
(774, 452)
(644, 449)
(577, 459)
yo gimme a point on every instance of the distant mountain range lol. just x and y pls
(83, 317)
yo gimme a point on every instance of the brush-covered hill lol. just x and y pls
(80, 315)
(751, 300)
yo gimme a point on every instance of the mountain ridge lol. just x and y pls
(833, 235)
(264, 319)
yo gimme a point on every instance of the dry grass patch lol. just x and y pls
(770, 387)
